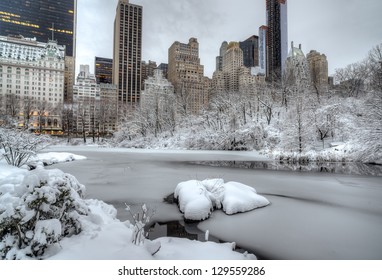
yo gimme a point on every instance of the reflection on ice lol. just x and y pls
(355, 168)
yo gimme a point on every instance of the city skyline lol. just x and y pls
(345, 39)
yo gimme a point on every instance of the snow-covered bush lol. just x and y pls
(17, 146)
(39, 212)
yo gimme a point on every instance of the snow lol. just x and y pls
(54, 157)
(329, 215)
(240, 198)
(197, 199)
(109, 238)
(102, 235)
(47, 227)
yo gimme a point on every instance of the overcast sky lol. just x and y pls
(344, 30)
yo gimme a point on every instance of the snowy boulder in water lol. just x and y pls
(197, 199)
(193, 200)
(241, 198)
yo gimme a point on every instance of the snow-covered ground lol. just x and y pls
(311, 216)
(102, 236)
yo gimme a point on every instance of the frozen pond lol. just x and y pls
(311, 216)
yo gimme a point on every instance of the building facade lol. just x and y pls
(32, 80)
(187, 76)
(86, 85)
(232, 61)
(219, 59)
(319, 71)
(127, 56)
(147, 71)
(44, 20)
(250, 48)
(297, 70)
(164, 68)
(159, 92)
(249, 81)
(263, 31)
(277, 37)
(32, 69)
(69, 78)
(103, 70)
(94, 108)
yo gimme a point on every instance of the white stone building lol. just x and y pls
(32, 69)
(158, 91)
(32, 82)
(86, 85)
(95, 105)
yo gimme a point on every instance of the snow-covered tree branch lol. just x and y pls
(17, 146)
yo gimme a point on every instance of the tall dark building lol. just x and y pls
(250, 48)
(37, 18)
(127, 59)
(164, 68)
(103, 70)
(277, 47)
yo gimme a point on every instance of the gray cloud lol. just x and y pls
(345, 30)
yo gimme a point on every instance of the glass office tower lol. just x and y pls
(277, 37)
(43, 19)
(103, 70)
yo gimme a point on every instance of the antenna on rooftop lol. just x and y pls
(52, 31)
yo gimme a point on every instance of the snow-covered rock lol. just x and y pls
(193, 200)
(197, 199)
(241, 198)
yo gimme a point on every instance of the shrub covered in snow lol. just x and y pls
(197, 199)
(39, 212)
(17, 147)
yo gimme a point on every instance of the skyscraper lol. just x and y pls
(39, 18)
(263, 30)
(128, 52)
(277, 48)
(232, 61)
(103, 70)
(250, 48)
(186, 74)
(318, 65)
(219, 59)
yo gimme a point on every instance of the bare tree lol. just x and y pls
(18, 147)
(82, 117)
(28, 105)
(12, 107)
(375, 67)
(67, 116)
(352, 79)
